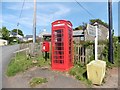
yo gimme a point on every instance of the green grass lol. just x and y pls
(21, 63)
(116, 58)
(80, 73)
(36, 81)
(42, 62)
(116, 55)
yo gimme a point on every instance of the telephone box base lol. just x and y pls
(62, 69)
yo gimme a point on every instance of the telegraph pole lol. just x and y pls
(34, 23)
(110, 53)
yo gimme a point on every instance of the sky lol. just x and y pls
(47, 12)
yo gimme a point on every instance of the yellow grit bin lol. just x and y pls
(96, 71)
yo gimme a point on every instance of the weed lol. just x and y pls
(80, 73)
(36, 81)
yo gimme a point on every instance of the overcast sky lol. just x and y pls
(47, 12)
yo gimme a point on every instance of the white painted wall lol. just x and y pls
(3, 42)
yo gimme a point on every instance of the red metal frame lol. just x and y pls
(62, 45)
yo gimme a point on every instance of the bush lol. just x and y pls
(116, 51)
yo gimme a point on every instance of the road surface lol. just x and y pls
(6, 54)
(55, 79)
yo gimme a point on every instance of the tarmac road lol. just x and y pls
(55, 79)
(6, 54)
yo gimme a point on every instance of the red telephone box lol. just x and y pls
(45, 46)
(62, 45)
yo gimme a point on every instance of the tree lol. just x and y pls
(78, 28)
(92, 21)
(19, 32)
(81, 27)
(5, 33)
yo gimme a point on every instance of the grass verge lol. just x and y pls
(21, 63)
(79, 71)
(36, 81)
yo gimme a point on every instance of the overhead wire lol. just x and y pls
(21, 13)
(20, 16)
(85, 9)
